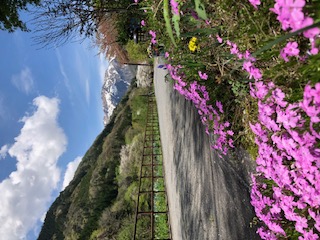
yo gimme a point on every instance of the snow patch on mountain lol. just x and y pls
(117, 79)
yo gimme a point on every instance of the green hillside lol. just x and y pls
(99, 202)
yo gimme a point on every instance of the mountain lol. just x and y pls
(116, 81)
(99, 203)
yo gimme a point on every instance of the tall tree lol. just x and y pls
(9, 14)
(59, 21)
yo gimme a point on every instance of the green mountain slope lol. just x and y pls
(99, 201)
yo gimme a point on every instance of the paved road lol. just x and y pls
(208, 196)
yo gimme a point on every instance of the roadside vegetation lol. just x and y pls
(100, 201)
(117, 221)
(252, 70)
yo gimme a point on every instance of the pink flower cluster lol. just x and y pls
(291, 17)
(248, 65)
(286, 187)
(153, 35)
(210, 115)
(289, 159)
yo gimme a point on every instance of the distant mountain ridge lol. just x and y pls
(116, 82)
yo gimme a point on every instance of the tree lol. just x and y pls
(9, 16)
(59, 21)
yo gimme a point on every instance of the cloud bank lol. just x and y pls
(71, 169)
(23, 81)
(26, 193)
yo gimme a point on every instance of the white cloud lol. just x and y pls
(71, 169)
(26, 193)
(23, 80)
(63, 72)
(3, 151)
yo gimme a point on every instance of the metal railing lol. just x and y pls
(152, 211)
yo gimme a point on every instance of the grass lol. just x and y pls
(136, 51)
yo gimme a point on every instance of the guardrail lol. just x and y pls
(152, 211)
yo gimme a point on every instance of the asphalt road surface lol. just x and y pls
(208, 196)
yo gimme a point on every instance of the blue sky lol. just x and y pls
(50, 114)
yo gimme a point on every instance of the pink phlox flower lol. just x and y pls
(277, 192)
(136, 1)
(143, 23)
(316, 218)
(266, 108)
(289, 118)
(252, 90)
(296, 18)
(284, 55)
(278, 96)
(153, 33)
(309, 235)
(291, 49)
(234, 49)
(311, 33)
(175, 7)
(229, 43)
(314, 51)
(219, 38)
(247, 65)
(247, 56)
(203, 76)
(276, 228)
(230, 143)
(295, 3)
(316, 94)
(255, 73)
(301, 224)
(239, 55)
(261, 90)
(257, 130)
(275, 209)
(255, 3)
(166, 55)
(266, 234)
(229, 132)
(276, 8)
(219, 106)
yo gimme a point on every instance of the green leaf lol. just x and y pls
(202, 32)
(176, 22)
(167, 21)
(200, 9)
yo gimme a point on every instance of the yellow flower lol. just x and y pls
(193, 44)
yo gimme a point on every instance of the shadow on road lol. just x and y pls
(208, 196)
